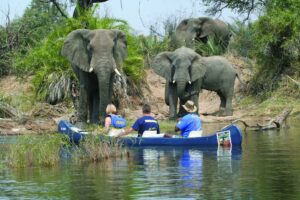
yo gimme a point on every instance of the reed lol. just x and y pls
(36, 150)
(96, 148)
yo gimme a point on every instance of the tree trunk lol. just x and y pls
(274, 123)
(84, 5)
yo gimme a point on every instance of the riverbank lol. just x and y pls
(35, 117)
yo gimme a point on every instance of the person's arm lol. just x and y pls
(107, 122)
(125, 132)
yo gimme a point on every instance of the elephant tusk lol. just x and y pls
(91, 69)
(190, 82)
(117, 72)
(173, 81)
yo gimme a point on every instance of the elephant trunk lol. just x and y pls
(104, 96)
(181, 85)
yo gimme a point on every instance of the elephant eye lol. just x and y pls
(89, 47)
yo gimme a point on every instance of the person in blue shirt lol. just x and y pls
(144, 123)
(190, 122)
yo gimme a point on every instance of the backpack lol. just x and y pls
(118, 121)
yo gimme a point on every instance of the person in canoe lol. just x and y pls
(114, 123)
(190, 124)
(145, 123)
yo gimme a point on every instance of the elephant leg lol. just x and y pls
(167, 93)
(173, 100)
(222, 104)
(94, 116)
(195, 99)
(83, 97)
(228, 106)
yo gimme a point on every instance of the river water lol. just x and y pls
(267, 166)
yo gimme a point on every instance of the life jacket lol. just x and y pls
(117, 121)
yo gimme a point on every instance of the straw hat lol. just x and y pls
(189, 106)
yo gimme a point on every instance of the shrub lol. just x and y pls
(277, 44)
(242, 40)
(211, 48)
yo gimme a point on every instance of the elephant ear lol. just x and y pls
(162, 65)
(120, 46)
(182, 29)
(198, 68)
(75, 49)
(183, 26)
(207, 27)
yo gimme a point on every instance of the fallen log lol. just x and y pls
(275, 123)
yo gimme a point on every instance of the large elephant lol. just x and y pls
(201, 29)
(95, 56)
(186, 73)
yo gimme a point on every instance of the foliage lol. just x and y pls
(211, 48)
(245, 6)
(94, 149)
(48, 150)
(241, 42)
(151, 45)
(29, 150)
(36, 22)
(134, 64)
(277, 44)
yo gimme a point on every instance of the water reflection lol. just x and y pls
(178, 171)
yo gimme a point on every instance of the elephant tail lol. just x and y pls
(239, 78)
(243, 85)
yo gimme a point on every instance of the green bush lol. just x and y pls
(151, 45)
(211, 48)
(22, 34)
(242, 40)
(277, 44)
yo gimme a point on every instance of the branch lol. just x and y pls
(140, 14)
(56, 4)
(294, 81)
(274, 123)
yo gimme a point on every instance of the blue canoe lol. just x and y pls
(228, 136)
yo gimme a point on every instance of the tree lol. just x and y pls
(84, 5)
(22, 34)
(81, 6)
(240, 6)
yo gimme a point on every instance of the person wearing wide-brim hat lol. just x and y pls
(191, 121)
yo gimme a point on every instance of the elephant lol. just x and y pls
(186, 73)
(95, 56)
(201, 29)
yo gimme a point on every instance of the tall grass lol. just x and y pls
(95, 149)
(210, 48)
(50, 149)
(36, 150)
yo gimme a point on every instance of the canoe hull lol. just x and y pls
(228, 136)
